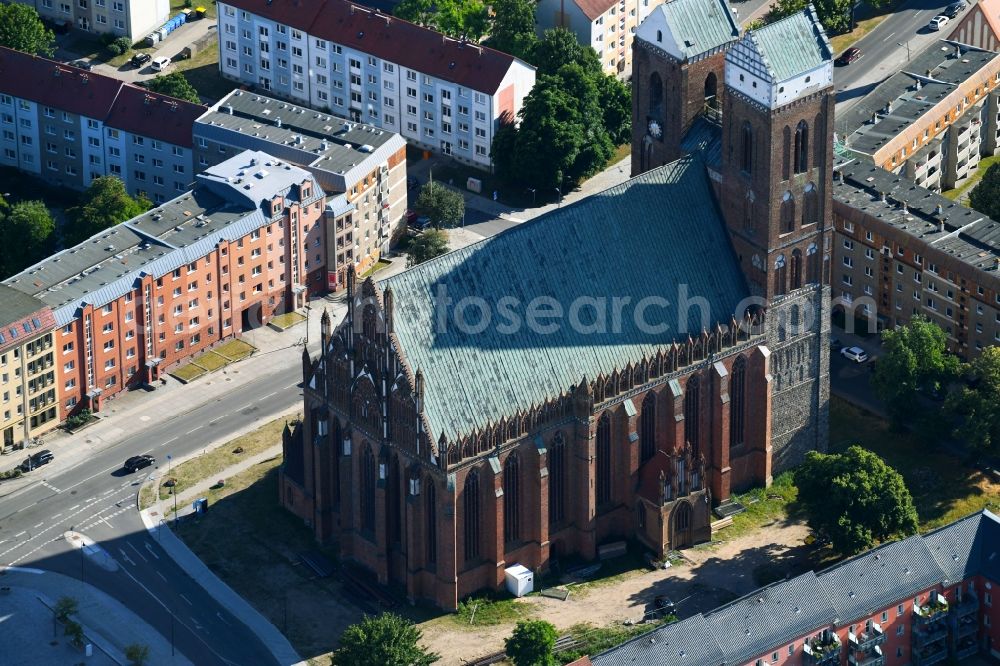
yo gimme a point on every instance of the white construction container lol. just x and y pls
(520, 580)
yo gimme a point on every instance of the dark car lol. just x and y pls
(37, 460)
(82, 64)
(848, 56)
(954, 9)
(420, 223)
(135, 463)
(140, 59)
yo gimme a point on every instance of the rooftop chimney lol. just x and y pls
(277, 121)
(938, 210)
(902, 205)
(882, 197)
(941, 226)
(229, 109)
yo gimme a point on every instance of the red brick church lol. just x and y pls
(611, 370)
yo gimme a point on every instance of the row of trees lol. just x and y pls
(915, 360)
(30, 227)
(835, 15)
(21, 29)
(507, 23)
(985, 196)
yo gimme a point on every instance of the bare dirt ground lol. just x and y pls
(712, 575)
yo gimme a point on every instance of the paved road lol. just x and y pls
(883, 55)
(97, 499)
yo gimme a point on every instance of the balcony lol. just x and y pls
(966, 648)
(931, 655)
(931, 613)
(965, 626)
(866, 640)
(873, 658)
(969, 604)
(825, 651)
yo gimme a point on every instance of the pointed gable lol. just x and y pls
(687, 29)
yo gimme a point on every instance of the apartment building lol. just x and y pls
(901, 250)
(362, 167)
(924, 600)
(933, 120)
(29, 405)
(245, 244)
(605, 25)
(980, 26)
(69, 126)
(444, 95)
(133, 18)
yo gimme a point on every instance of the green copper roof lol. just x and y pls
(698, 26)
(794, 45)
(657, 235)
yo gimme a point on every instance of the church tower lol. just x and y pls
(677, 72)
(777, 138)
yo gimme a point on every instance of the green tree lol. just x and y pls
(978, 406)
(174, 84)
(855, 499)
(559, 47)
(615, 98)
(915, 357)
(443, 205)
(384, 640)
(455, 18)
(22, 30)
(985, 196)
(835, 15)
(105, 204)
(28, 226)
(532, 643)
(65, 606)
(432, 243)
(73, 629)
(137, 654)
(513, 28)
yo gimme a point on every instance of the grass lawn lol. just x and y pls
(841, 42)
(594, 640)
(382, 263)
(235, 350)
(208, 82)
(944, 487)
(763, 505)
(214, 462)
(287, 320)
(188, 372)
(177, 6)
(621, 152)
(984, 164)
(486, 611)
(211, 361)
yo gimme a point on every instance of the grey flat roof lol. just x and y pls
(968, 235)
(16, 305)
(173, 234)
(938, 73)
(320, 140)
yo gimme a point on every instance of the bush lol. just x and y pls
(124, 43)
(74, 631)
(11, 474)
(114, 49)
(79, 419)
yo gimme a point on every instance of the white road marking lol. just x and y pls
(192, 430)
(170, 440)
(21, 534)
(187, 600)
(246, 406)
(51, 487)
(265, 397)
(219, 615)
(38, 525)
(105, 521)
(160, 574)
(138, 553)
(91, 499)
(74, 508)
(152, 552)
(126, 557)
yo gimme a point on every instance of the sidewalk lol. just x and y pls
(124, 414)
(108, 625)
(156, 522)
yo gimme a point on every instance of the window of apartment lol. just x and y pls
(110, 363)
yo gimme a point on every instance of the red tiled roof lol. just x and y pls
(140, 111)
(105, 98)
(595, 8)
(50, 83)
(387, 37)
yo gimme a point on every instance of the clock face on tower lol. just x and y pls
(655, 130)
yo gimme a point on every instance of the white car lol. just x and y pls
(938, 22)
(856, 354)
(161, 63)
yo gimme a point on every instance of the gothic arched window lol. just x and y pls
(786, 152)
(737, 403)
(392, 498)
(711, 90)
(430, 519)
(787, 213)
(801, 147)
(746, 156)
(369, 481)
(557, 480)
(692, 398)
(796, 268)
(810, 205)
(780, 275)
(647, 434)
(656, 95)
(512, 499)
(470, 512)
(604, 459)
(812, 263)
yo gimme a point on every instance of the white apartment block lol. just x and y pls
(606, 25)
(441, 94)
(69, 126)
(133, 18)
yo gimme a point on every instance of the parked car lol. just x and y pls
(954, 9)
(82, 64)
(161, 63)
(938, 22)
(836, 344)
(420, 223)
(135, 463)
(856, 354)
(848, 56)
(411, 216)
(140, 59)
(43, 457)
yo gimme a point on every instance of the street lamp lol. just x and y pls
(532, 190)
(907, 45)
